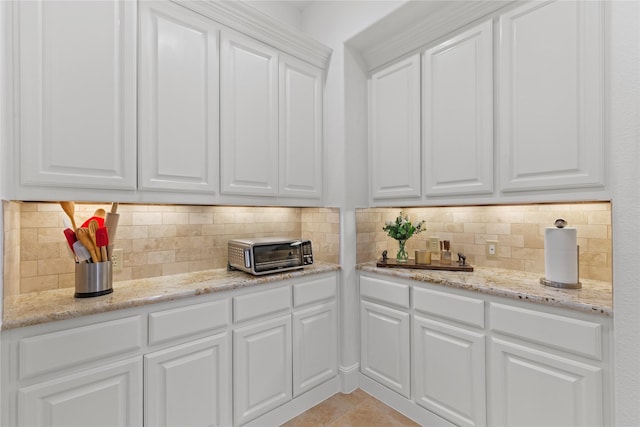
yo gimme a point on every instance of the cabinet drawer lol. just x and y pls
(449, 306)
(258, 304)
(185, 321)
(77, 346)
(314, 291)
(385, 291)
(564, 333)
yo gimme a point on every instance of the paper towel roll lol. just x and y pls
(561, 255)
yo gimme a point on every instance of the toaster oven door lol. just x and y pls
(276, 256)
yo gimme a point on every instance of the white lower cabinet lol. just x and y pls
(315, 353)
(189, 384)
(448, 371)
(538, 388)
(474, 359)
(262, 368)
(384, 346)
(218, 360)
(106, 396)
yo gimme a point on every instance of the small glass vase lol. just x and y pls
(403, 255)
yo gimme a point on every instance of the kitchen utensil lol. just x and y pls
(102, 240)
(100, 213)
(81, 252)
(93, 218)
(93, 229)
(71, 237)
(114, 207)
(70, 209)
(93, 280)
(111, 222)
(83, 236)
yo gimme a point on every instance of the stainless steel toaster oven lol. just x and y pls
(265, 255)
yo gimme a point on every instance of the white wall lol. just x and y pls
(284, 11)
(624, 137)
(333, 23)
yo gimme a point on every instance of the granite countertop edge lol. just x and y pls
(59, 304)
(594, 296)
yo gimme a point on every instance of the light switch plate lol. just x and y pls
(492, 248)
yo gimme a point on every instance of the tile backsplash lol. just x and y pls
(519, 230)
(157, 240)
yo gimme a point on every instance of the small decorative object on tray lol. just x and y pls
(402, 229)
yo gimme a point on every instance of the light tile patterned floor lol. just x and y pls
(357, 409)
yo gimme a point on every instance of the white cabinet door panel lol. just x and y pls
(394, 120)
(457, 122)
(262, 368)
(190, 384)
(300, 129)
(179, 99)
(315, 347)
(249, 117)
(384, 346)
(105, 396)
(551, 96)
(535, 388)
(449, 371)
(77, 91)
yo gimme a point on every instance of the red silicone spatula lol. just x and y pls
(102, 240)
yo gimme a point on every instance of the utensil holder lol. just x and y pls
(93, 279)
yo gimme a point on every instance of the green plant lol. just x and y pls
(402, 228)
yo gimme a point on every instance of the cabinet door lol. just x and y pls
(189, 385)
(262, 368)
(249, 117)
(394, 120)
(449, 371)
(535, 388)
(551, 96)
(178, 99)
(315, 349)
(300, 129)
(77, 93)
(106, 396)
(384, 346)
(457, 122)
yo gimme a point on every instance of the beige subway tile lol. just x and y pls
(512, 264)
(67, 280)
(146, 218)
(134, 259)
(156, 244)
(516, 241)
(26, 206)
(597, 273)
(597, 245)
(161, 257)
(30, 251)
(504, 251)
(160, 231)
(501, 228)
(477, 228)
(185, 230)
(599, 217)
(592, 231)
(55, 266)
(481, 239)
(147, 270)
(453, 227)
(171, 268)
(125, 274)
(533, 242)
(593, 258)
(39, 219)
(175, 218)
(38, 283)
(527, 253)
(208, 264)
(132, 232)
(534, 266)
(201, 218)
(28, 268)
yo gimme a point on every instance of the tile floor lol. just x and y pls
(357, 409)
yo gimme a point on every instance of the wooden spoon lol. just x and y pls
(83, 237)
(101, 213)
(70, 209)
(93, 229)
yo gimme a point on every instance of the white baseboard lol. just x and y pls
(406, 407)
(349, 378)
(295, 407)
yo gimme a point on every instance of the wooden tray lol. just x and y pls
(435, 265)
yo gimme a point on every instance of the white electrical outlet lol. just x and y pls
(492, 248)
(117, 259)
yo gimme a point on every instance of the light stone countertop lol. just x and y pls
(593, 297)
(47, 306)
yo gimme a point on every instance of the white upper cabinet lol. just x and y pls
(77, 93)
(457, 120)
(178, 99)
(394, 135)
(551, 96)
(249, 117)
(300, 129)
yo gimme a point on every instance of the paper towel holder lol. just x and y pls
(578, 285)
